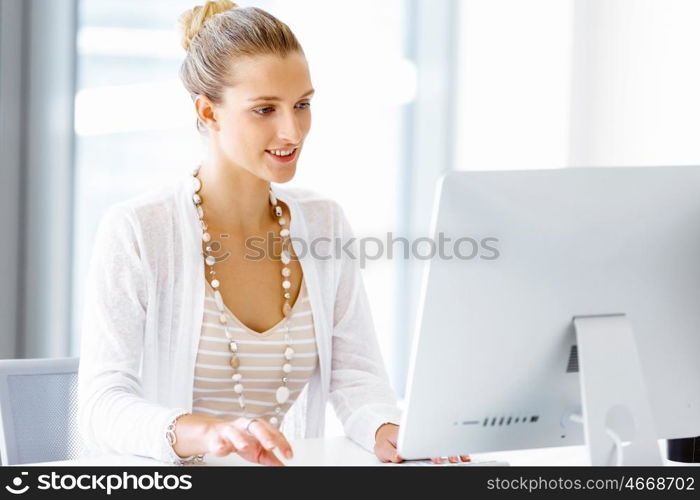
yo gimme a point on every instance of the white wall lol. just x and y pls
(554, 83)
(514, 70)
(635, 95)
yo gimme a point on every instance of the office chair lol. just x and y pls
(38, 410)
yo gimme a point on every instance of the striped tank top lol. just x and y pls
(261, 356)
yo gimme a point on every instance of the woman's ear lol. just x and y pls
(206, 112)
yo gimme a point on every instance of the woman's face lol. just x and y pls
(267, 111)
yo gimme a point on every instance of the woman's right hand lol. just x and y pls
(257, 446)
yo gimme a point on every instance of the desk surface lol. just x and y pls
(342, 451)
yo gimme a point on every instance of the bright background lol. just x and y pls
(92, 112)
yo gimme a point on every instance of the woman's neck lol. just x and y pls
(234, 199)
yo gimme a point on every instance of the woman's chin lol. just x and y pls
(281, 176)
(282, 172)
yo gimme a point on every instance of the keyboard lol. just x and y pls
(446, 463)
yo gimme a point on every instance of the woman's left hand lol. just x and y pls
(385, 446)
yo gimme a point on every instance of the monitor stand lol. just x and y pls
(613, 393)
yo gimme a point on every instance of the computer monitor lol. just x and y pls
(570, 292)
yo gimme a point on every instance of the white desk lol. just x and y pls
(342, 451)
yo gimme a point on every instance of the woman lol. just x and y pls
(204, 329)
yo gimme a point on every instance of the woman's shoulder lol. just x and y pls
(147, 219)
(317, 208)
(311, 199)
(301, 195)
(151, 207)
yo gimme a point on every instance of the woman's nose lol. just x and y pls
(290, 130)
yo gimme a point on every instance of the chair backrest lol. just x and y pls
(38, 410)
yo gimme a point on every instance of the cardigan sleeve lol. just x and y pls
(113, 415)
(360, 391)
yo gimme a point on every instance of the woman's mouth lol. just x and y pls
(282, 155)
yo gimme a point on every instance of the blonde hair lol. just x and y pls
(215, 33)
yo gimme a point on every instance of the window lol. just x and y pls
(133, 125)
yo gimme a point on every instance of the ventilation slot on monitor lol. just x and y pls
(572, 366)
(500, 421)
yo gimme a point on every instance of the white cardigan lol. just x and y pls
(143, 316)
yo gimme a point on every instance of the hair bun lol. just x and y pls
(193, 20)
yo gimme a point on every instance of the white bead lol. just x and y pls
(282, 221)
(219, 300)
(284, 232)
(204, 225)
(278, 211)
(289, 353)
(282, 395)
(286, 309)
(228, 334)
(286, 272)
(215, 283)
(274, 421)
(287, 295)
(286, 259)
(197, 184)
(233, 347)
(238, 388)
(200, 211)
(286, 284)
(223, 319)
(206, 237)
(196, 198)
(195, 170)
(236, 377)
(273, 199)
(287, 368)
(241, 401)
(210, 260)
(278, 410)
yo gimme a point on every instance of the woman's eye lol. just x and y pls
(268, 109)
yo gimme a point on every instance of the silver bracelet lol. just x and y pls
(170, 432)
(172, 439)
(194, 459)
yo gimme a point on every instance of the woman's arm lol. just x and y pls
(360, 390)
(113, 415)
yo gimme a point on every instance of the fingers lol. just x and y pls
(249, 447)
(268, 457)
(270, 437)
(224, 443)
(220, 447)
(454, 460)
(240, 442)
(386, 452)
(390, 457)
(256, 446)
